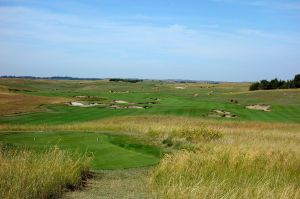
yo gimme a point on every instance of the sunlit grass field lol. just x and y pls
(195, 100)
(195, 153)
(107, 151)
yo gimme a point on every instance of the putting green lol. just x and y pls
(109, 151)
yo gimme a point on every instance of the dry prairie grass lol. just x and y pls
(248, 160)
(143, 124)
(228, 173)
(12, 103)
(28, 175)
(283, 136)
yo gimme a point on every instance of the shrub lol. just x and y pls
(297, 81)
(254, 86)
(197, 134)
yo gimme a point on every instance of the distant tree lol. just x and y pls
(297, 81)
(274, 83)
(264, 85)
(281, 83)
(254, 86)
(125, 80)
(290, 84)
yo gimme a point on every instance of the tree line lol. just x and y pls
(125, 80)
(276, 84)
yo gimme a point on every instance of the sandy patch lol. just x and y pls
(121, 102)
(260, 107)
(82, 104)
(222, 113)
(88, 97)
(148, 103)
(154, 98)
(179, 87)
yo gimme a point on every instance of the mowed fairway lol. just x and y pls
(108, 151)
(192, 100)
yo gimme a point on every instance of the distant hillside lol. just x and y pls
(132, 80)
(54, 77)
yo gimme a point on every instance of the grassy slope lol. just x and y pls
(110, 152)
(249, 133)
(285, 103)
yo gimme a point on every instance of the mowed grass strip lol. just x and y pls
(108, 151)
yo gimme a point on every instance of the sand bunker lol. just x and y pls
(154, 98)
(83, 104)
(179, 87)
(121, 102)
(148, 103)
(222, 113)
(260, 107)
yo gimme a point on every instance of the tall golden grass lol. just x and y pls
(143, 124)
(248, 160)
(228, 173)
(28, 175)
(228, 159)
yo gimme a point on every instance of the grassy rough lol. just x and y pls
(28, 175)
(228, 173)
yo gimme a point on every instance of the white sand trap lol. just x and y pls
(121, 102)
(81, 104)
(136, 107)
(81, 96)
(179, 87)
(260, 107)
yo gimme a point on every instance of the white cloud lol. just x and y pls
(37, 37)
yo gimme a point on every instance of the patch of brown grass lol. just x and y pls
(12, 103)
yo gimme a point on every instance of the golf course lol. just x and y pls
(125, 99)
(148, 139)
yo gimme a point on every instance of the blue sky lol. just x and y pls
(226, 40)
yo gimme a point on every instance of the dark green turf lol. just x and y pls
(109, 151)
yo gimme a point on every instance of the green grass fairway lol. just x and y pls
(194, 100)
(110, 151)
